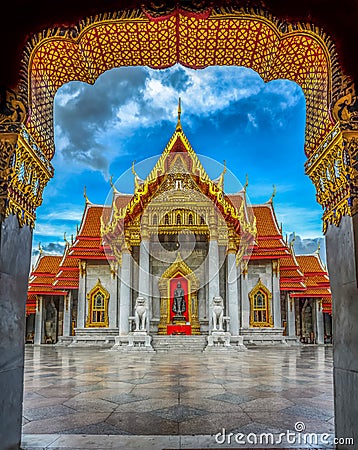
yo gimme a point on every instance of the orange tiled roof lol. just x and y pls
(310, 263)
(47, 264)
(91, 221)
(265, 220)
(31, 304)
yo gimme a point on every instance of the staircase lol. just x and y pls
(179, 343)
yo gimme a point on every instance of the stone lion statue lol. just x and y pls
(218, 313)
(140, 314)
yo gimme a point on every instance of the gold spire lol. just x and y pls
(136, 177)
(293, 240)
(40, 249)
(318, 247)
(65, 239)
(178, 127)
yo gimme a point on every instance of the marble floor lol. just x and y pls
(91, 398)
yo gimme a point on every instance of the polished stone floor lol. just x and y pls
(74, 398)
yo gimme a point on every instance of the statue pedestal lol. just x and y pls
(138, 341)
(179, 319)
(221, 341)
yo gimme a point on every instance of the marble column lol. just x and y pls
(319, 322)
(67, 314)
(342, 260)
(213, 273)
(39, 321)
(233, 297)
(276, 297)
(291, 319)
(125, 293)
(245, 301)
(15, 256)
(143, 276)
(112, 288)
(82, 300)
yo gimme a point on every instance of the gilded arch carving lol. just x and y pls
(196, 38)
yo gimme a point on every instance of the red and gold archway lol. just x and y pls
(197, 39)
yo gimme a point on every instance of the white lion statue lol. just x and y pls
(140, 314)
(218, 313)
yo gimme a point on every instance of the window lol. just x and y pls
(97, 306)
(190, 219)
(166, 219)
(260, 298)
(178, 219)
(202, 220)
(155, 220)
(260, 307)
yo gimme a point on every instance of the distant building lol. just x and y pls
(186, 251)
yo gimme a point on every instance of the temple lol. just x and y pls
(179, 257)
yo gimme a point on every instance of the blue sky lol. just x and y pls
(130, 114)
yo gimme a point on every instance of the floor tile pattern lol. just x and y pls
(103, 392)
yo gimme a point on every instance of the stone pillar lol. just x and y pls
(233, 296)
(245, 301)
(125, 293)
(143, 282)
(214, 284)
(82, 299)
(39, 321)
(67, 314)
(112, 288)
(276, 298)
(24, 172)
(291, 319)
(319, 322)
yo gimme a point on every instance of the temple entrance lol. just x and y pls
(178, 288)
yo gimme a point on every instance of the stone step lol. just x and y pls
(179, 343)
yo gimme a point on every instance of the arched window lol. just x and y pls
(97, 306)
(260, 298)
(178, 219)
(166, 219)
(202, 220)
(190, 219)
(155, 220)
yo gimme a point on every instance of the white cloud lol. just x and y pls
(303, 221)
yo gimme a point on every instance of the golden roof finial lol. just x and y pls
(273, 194)
(40, 249)
(65, 239)
(136, 177)
(293, 240)
(72, 239)
(112, 185)
(77, 228)
(85, 194)
(246, 183)
(318, 247)
(220, 183)
(179, 114)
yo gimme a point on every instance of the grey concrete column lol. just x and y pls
(233, 296)
(342, 259)
(39, 321)
(276, 298)
(125, 293)
(82, 300)
(319, 322)
(291, 319)
(67, 314)
(15, 256)
(245, 302)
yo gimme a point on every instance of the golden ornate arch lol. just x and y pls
(248, 37)
(179, 267)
